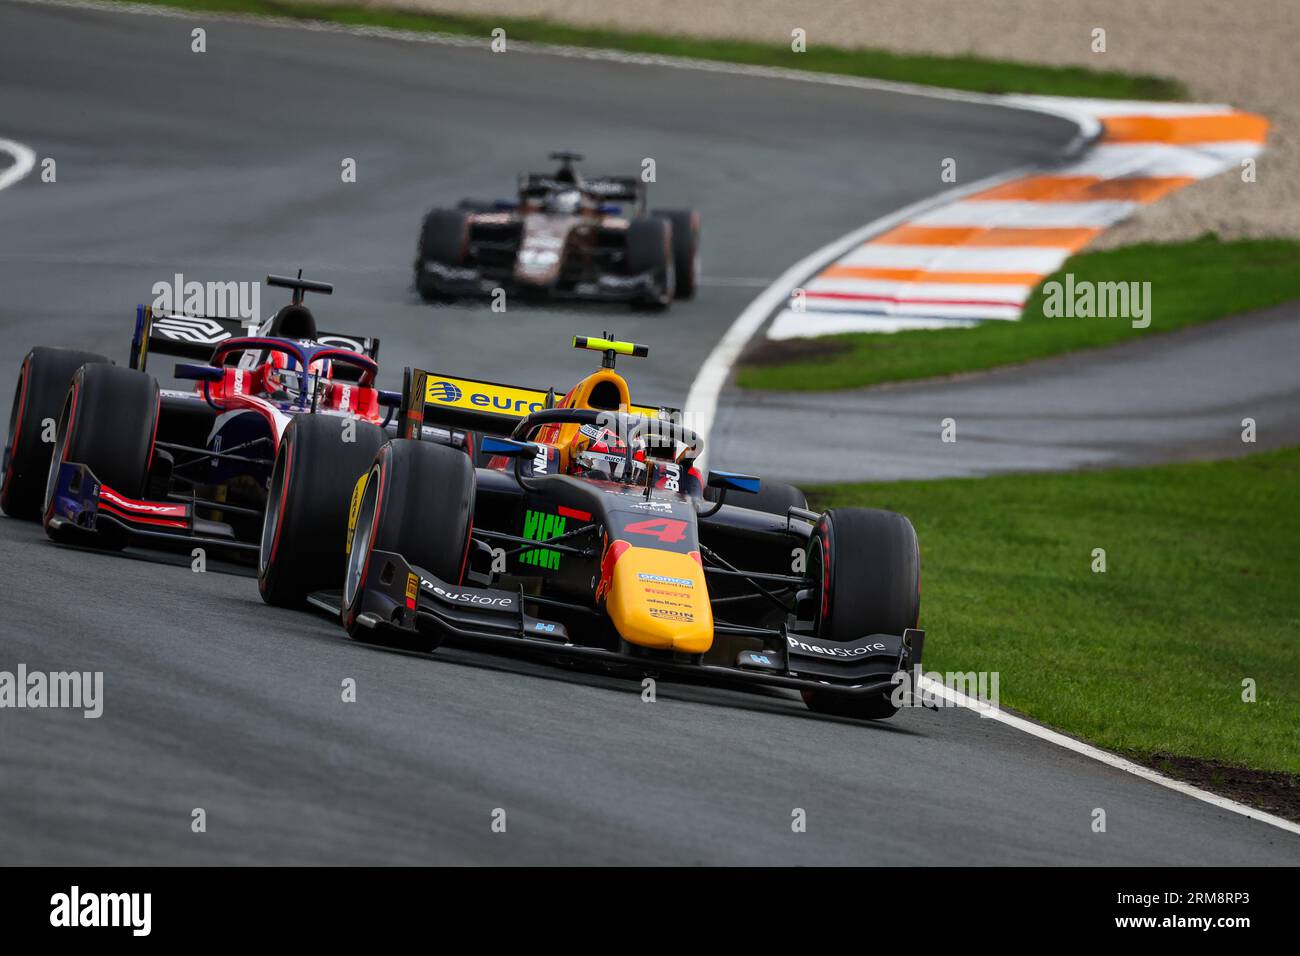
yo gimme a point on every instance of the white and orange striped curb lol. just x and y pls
(980, 257)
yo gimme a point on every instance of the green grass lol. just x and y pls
(1200, 592)
(1191, 282)
(957, 72)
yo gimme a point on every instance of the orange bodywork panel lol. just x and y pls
(562, 436)
(658, 599)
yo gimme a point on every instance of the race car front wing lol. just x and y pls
(83, 503)
(469, 281)
(399, 595)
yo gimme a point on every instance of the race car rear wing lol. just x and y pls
(488, 407)
(195, 337)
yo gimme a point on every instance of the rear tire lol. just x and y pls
(109, 421)
(686, 249)
(304, 531)
(42, 388)
(868, 566)
(650, 249)
(418, 502)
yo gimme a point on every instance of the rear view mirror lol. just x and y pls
(198, 373)
(734, 481)
(507, 447)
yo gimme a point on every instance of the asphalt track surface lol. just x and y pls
(225, 166)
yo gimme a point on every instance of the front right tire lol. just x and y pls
(867, 563)
(39, 396)
(109, 422)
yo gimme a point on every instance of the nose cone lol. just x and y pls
(659, 599)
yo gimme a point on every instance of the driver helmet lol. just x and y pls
(599, 452)
(567, 201)
(282, 374)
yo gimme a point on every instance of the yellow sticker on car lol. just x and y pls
(353, 508)
(495, 399)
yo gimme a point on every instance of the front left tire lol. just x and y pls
(685, 249)
(444, 238)
(418, 502)
(650, 249)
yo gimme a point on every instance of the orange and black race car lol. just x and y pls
(566, 236)
(586, 533)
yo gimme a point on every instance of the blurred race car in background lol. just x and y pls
(566, 235)
(104, 456)
(585, 536)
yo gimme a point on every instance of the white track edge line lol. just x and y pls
(24, 160)
(1103, 756)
